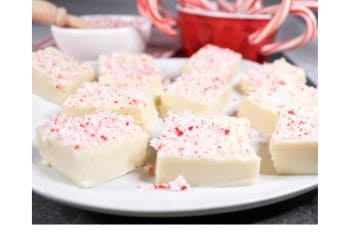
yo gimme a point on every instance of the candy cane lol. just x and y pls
(310, 4)
(309, 33)
(276, 21)
(150, 9)
(255, 7)
(224, 6)
(197, 4)
(245, 6)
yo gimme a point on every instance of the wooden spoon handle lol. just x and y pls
(47, 13)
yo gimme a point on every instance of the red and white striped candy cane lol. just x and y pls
(309, 33)
(245, 6)
(276, 21)
(152, 9)
(197, 4)
(224, 6)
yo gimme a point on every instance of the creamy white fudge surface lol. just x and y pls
(55, 75)
(130, 69)
(92, 97)
(207, 151)
(92, 149)
(294, 144)
(262, 107)
(213, 59)
(195, 92)
(270, 74)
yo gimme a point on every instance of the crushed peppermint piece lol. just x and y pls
(213, 59)
(62, 68)
(198, 136)
(302, 124)
(89, 130)
(149, 169)
(198, 86)
(179, 184)
(103, 96)
(279, 97)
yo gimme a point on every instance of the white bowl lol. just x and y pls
(88, 44)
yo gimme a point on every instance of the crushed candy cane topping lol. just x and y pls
(179, 184)
(279, 72)
(112, 21)
(62, 68)
(211, 58)
(198, 86)
(199, 136)
(296, 123)
(89, 130)
(279, 97)
(128, 67)
(103, 96)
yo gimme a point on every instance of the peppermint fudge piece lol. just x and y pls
(207, 151)
(294, 145)
(92, 149)
(195, 92)
(269, 74)
(93, 97)
(213, 59)
(130, 69)
(55, 75)
(263, 106)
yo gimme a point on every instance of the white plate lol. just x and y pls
(123, 195)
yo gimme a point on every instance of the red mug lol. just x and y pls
(199, 28)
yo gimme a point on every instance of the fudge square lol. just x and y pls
(207, 151)
(294, 144)
(92, 97)
(263, 106)
(55, 75)
(132, 69)
(195, 92)
(213, 59)
(92, 149)
(269, 74)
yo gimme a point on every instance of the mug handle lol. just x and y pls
(310, 32)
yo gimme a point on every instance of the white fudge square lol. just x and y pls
(270, 74)
(294, 144)
(136, 70)
(55, 75)
(92, 149)
(207, 151)
(197, 93)
(213, 59)
(92, 97)
(263, 106)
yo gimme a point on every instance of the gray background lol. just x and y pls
(300, 210)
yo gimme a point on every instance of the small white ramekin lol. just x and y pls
(88, 44)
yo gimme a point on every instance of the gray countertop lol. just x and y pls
(300, 210)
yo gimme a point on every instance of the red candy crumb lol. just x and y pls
(190, 128)
(104, 137)
(76, 147)
(183, 187)
(160, 186)
(226, 131)
(179, 132)
(291, 112)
